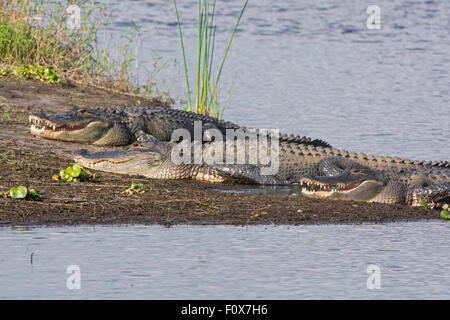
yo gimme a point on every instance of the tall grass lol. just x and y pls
(207, 93)
(32, 32)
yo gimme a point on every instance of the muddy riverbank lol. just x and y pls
(30, 161)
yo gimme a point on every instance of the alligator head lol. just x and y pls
(79, 125)
(351, 184)
(372, 186)
(143, 157)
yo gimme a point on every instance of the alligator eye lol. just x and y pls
(154, 163)
(361, 171)
(81, 111)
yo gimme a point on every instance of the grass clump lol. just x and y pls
(5, 115)
(38, 40)
(207, 95)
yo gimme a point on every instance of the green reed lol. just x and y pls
(207, 93)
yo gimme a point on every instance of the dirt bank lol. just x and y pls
(30, 161)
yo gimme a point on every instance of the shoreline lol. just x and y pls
(30, 161)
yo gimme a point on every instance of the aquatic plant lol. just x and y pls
(135, 188)
(74, 173)
(22, 192)
(207, 94)
(19, 192)
(445, 213)
(426, 204)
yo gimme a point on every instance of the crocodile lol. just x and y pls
(321, 171)
(119, 126)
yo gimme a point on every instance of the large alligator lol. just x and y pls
(323, 172)
(119, 127)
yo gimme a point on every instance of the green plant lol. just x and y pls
(18, 192)
(445, 213)
(135, 188)
(47, 74)
(34, 36)
(35, 193)
(254, 215)
(5, 115)
(427, 205)
(207, 87)
(75, 173)
(22, 192)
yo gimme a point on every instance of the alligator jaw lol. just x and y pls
(311, 187)
(130, 161)
(86, 130)
(364, 191)
(351, 185)
(43, 127)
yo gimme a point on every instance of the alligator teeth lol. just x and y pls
(38, 130)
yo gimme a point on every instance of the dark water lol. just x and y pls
(310, 68)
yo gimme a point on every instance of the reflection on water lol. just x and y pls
(225, 262)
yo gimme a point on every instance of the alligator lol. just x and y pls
(119, 127)
(321, 171)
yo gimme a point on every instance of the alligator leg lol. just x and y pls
(334, 166)
(434, 192)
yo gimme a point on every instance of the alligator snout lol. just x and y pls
(80, 153)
